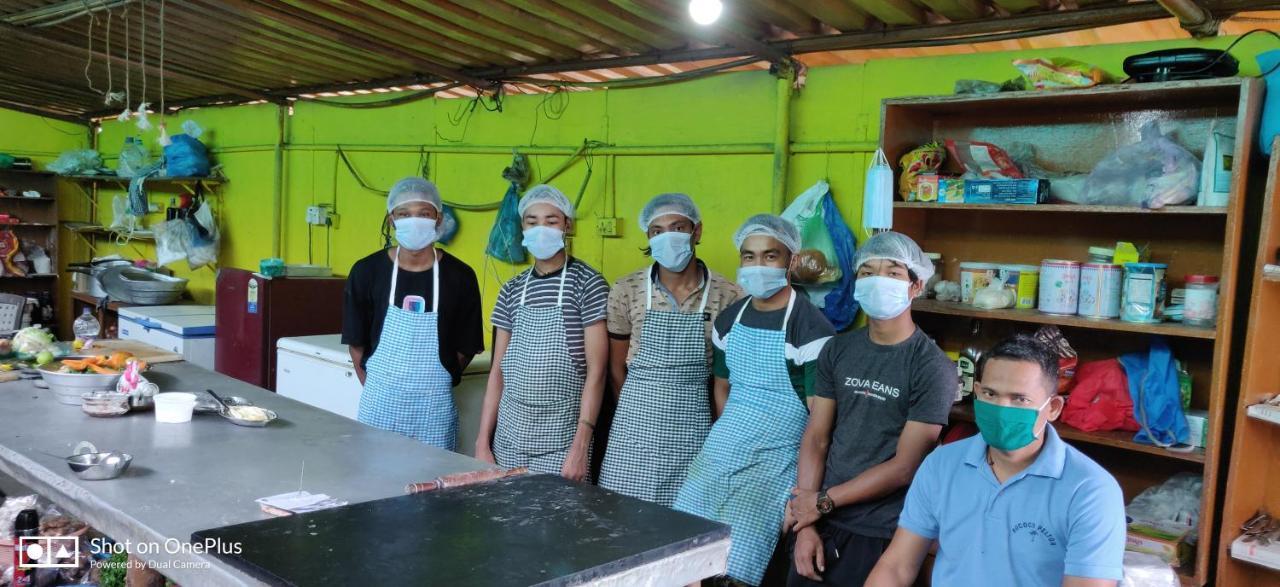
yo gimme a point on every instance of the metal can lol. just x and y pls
(973, 277)
(1024, 282)
(1100, 290)
(1143, 297)
(1059, 286)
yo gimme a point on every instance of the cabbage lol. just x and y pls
(33, 340)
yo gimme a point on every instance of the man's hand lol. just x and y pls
(360, 373)
(810, 559)
(575, 465)
(802, 509)
(485, 454)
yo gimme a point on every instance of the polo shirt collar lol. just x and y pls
(1049, 463)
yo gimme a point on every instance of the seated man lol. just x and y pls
(1015, 505)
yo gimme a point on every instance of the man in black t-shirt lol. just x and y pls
(883, 394)
(412, 322)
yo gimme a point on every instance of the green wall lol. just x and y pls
(833, 119)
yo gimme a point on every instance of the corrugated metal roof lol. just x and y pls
(61, 61)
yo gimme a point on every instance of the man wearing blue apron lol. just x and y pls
(766, 348)
(660, 354)
(412, 322)
(550, 349)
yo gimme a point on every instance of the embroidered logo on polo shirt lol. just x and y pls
(1034, 532)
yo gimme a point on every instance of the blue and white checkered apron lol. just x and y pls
(541, 389)
(407, 390)
(664, 413)
(747, 467)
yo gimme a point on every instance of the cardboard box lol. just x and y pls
(951, 190)
(1176, 553)
(1006, 191)
(926, 188)
(1198, 422)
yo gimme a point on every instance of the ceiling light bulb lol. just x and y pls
(705, 12)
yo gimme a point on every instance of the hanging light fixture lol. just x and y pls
(705, 12)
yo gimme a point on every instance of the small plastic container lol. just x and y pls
(174, 407)
(1101, 255)
(104, 404)
(973, 277)
(1201, 301)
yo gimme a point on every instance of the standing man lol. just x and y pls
(663, 371)
(883, 394)
(1014, 505)
(550, 349)
(766, 348)
(410, 359)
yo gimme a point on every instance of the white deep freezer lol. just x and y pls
(185, 330)
(317, 370)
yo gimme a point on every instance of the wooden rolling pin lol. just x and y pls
(461, 479)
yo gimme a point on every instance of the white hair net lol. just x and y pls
(897, 247)
(413, 189)
(545, 194)
(663, 204)
(769, 225)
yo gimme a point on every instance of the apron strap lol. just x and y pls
(395, 274)
(648, 289)
(706, 288)
(791, 302)
(564, 273)
(435, 280)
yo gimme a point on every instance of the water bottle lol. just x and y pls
(86, 328)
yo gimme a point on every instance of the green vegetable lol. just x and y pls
(44, 358)
(113, 572)
(32, 340)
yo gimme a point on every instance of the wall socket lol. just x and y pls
(607, 227)
(321, 215)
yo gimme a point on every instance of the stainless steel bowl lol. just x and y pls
(91, 464)
(68, 387)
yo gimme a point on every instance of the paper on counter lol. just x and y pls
(301, 502)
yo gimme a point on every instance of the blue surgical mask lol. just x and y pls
(415, 233)
(882, 298)
(672, 250)
(762, 282)
(543, 242)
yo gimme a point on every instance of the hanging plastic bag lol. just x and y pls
(121, 219)
(134, 158)
(806, 213)
(1157, 400)
(171, 239)
(877, 195)
(1099, 398)
(505, 238)
(840, 308)
(448, 225)
(202, 248)
(1152, 173)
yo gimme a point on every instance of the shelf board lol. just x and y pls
(1270, 277)
(32, 276)
(1263, 413)
(93, 230)
(1240, 551)
(1036, 317)
(40, 199)
(27, 172)
(30, 224)
(1114, 439)
(1063, 208)
(152, 179)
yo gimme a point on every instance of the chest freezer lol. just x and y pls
(185, 330)
(317, 370)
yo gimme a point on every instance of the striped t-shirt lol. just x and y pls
(586, 301)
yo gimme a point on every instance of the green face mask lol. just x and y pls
(1006, 427)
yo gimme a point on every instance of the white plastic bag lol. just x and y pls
(171, 239)
(995, 296)
(203, 249)
(1152, 173)
(877, 194)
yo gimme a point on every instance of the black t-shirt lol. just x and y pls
(878, 389)
(460, 327)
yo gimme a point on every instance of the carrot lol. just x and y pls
(118, 360)
(102, 370)
(75, 365)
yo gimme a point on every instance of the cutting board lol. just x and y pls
(145, 352)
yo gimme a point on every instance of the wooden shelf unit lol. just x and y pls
(1253, 476)
(1073, 131)
(38, 222)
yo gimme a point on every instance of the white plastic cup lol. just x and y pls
(174, 407)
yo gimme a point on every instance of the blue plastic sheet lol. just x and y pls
(1157, 401)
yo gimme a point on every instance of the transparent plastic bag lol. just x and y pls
(134, 158)
(78, 162)
(171, 239)
(995, 296)
(1152, 173)
(806, 212)
(202, 248)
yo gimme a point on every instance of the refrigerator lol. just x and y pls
(254, 312)
(317, 370)
(185, 330)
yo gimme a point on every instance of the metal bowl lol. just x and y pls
(68, 387)
(230, 415)
(92, 465)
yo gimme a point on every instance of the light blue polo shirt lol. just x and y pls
(1061, 516)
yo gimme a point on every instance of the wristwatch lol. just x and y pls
(825, 503)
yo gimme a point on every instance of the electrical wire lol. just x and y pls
(638, 81)
(346, 161)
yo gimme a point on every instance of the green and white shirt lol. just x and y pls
(807, 333)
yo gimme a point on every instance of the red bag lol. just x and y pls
(1099, 398)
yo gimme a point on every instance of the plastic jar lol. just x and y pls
(1201, 306)
(1142, 299)
(973, 277)
(174, 407)
(1101, 254)
(936, 258)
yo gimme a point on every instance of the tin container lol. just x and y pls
(973, 277)
(1100, 290)
(1143, 297)
(1024, 281)
(1059, 286)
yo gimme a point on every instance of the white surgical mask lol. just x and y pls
(882, 298)
(672, 250)
(415, 233)
(543, 242)
(760, 281)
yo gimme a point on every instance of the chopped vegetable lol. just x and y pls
(102, 365)
(32, 340)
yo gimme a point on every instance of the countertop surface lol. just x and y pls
(206, 473)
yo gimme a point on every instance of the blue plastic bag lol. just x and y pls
(186, 156)
(1269, 126)
(841, 309)
(448, 225)
(1157, 399)
(506, 237)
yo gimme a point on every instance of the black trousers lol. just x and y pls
(849, 557)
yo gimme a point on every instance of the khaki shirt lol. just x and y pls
(627, 303)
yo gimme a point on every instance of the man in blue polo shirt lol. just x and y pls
(1014, 505)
